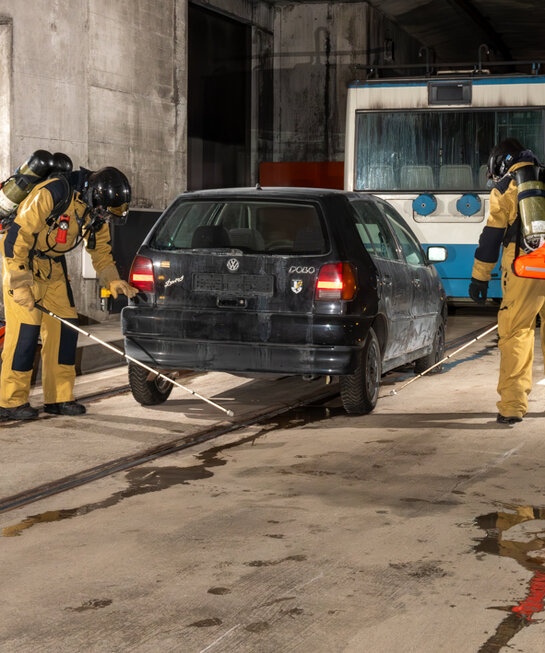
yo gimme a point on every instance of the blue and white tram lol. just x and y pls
(423, 143)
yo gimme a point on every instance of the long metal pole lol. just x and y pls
(485, 333)
(133, 360)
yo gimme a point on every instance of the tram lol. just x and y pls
(422, 143)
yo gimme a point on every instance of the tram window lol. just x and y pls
(451, 146)
(525, 126)
(374, 230)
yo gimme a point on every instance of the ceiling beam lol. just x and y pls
(495, 40)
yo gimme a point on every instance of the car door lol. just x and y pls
(424, 305)
(396, 291)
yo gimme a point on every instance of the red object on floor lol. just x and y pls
(534, 601)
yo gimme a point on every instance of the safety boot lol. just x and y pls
(507, 420)
(65, 408)
(24, 411)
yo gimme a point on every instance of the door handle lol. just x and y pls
(386, 281)
(417, 283)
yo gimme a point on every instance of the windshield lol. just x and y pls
(260, 227)
(437, 150)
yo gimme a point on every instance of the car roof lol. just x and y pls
(270, 192)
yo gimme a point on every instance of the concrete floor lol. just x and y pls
(415, 528)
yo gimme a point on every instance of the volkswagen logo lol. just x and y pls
(233, 265)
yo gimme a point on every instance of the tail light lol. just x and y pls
(336, 281)
(141, 275)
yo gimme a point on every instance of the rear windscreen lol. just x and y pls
(261, 227)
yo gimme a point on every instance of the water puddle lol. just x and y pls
(142, 480)
(517, 532)
(301, 416)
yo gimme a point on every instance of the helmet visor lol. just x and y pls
(119, 211)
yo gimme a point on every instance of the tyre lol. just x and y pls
(436, 354)
(359, 391)
(146, 392)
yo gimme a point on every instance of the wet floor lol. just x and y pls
(313, 531)
(516, 532)
(145, 478)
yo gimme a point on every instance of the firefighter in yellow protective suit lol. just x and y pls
(56, 216)
(523, 298)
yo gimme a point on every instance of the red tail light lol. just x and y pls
(336, 281)
(141, 275)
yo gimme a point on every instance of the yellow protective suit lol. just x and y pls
(522, 300)
(46, 275)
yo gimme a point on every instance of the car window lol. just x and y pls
(409, 244)
(264, 227)
(373, 230)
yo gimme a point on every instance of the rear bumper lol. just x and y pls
(168, 340)
(239, 357)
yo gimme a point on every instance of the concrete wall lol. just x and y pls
(103, 81)
(5, 94)
(317, 48)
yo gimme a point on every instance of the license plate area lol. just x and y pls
(233, 285)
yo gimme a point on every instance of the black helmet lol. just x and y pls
(61, 164)
(502, 157)
(108, 191)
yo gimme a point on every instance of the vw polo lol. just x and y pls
(283, 281)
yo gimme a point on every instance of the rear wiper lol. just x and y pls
(218, 250)
(165, 248)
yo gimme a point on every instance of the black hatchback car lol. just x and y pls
(283, 281)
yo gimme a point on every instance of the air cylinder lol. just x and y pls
(531, 201)
(16, 188)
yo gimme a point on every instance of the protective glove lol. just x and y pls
(119, 286)
(478, 290)
(24, 297)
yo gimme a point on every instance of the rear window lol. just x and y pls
(264, 227)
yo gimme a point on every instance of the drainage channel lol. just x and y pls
(288, 412)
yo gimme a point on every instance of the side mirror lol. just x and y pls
(437, 254)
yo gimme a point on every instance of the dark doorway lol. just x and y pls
(219, 57)
(126, 240)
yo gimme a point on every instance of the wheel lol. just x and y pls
(146, 392)
(436, 354)
(359, 391)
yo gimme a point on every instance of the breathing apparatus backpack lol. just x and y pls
(530, 182)
(39, 165)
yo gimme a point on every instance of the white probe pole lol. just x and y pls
(394, 392)
(133, 360)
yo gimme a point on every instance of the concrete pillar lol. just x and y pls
(5, 95)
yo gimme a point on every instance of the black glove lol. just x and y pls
(478, 290)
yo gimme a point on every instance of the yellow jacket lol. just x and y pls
(30, 233)
(502, 213)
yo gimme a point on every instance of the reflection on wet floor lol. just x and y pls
(518, 532)
(142, 480)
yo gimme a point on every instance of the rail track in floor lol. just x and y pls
(176, 445)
